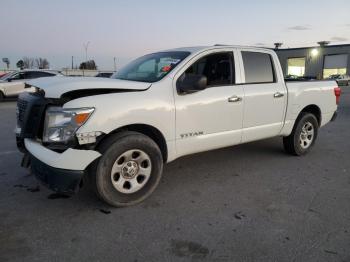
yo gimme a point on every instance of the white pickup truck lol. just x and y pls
(117, 133)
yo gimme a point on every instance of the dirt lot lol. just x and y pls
(246, 203)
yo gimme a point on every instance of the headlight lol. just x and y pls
(61, 124)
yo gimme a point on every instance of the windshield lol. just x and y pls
(151, 68)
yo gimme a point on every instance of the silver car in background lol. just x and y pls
(12, 84)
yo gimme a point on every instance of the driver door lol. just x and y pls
(209, 118)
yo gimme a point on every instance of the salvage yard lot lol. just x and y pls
(251, 202)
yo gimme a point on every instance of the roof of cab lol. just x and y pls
(195, 49)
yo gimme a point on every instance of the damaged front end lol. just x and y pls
(60, 166)
(47, 131)
(30, 112)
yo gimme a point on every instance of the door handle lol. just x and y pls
(277, 95)
(234, 99)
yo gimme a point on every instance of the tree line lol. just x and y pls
(30, 62)
(88, 65)
(43, 63)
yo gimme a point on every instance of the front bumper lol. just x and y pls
(61, 172)
(59, 180)
(72, 159)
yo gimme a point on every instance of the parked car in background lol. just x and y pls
(291, 77)
(12, 84)
(307, 78)
(118, 133)
(104, 74)
(3, 74)
(299, 78)
(342, 80)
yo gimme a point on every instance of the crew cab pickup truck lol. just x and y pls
(117, 134)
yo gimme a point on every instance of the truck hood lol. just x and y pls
(55, 87)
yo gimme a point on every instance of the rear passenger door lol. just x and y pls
(265, 95)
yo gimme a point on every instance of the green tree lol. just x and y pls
(20, 64)
(88, 65)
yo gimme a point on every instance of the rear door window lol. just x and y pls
(30, 75)
(38, 74)
(258, 67)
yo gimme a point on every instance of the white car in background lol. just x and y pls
(12, 84)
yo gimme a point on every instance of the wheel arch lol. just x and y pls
(312, 109)
(152, 132)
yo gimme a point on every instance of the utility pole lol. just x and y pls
(86, 50)
(72, 62)
(115, 65)
(7, 62)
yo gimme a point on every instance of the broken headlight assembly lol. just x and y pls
(61, 124)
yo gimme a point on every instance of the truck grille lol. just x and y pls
(21, 108)
(30, 111)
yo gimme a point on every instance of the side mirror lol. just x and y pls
(191, 83)
(9, 79)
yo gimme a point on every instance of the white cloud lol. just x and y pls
(299, 28)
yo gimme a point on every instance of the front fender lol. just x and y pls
(113, 111)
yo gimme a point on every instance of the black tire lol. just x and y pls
(111, 149)
(1, 96)
(292, 143)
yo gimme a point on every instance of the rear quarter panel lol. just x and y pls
(303, 94)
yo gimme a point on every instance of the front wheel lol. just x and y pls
(303, 136)
(1, 96)
(129, 170)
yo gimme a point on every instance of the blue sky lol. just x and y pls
(127, 29)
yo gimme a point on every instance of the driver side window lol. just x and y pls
(217, 68)
(18, 76)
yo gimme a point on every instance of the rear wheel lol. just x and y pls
(303, 136)
(129, 170)
(1, 96)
